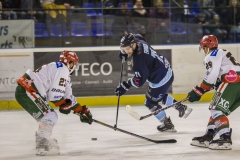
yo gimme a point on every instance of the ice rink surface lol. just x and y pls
(74, 138)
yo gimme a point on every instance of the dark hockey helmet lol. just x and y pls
(68, 57)
(209, 41)
(127, 40)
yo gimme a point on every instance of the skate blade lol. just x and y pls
(169, 130)
(204, 144)
(224, 146)
(187, 112)
(42, 152)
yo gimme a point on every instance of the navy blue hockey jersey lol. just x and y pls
(148, 65)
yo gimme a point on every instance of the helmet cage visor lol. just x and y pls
(125, 49)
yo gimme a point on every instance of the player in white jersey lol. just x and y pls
(222, 73)
(50, 83)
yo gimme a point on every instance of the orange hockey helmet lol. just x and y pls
(68, 57)
(209, 41)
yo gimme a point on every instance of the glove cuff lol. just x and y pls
(198, 90)
(77, 108)
(125, 85)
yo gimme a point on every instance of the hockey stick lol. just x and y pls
(135, 135)
(135, 115)
(132, 134)
(120, 81)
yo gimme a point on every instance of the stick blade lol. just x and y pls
(166, 141)
(133, 113)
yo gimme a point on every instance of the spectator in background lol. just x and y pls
(201, 25)
(70, 5)
(107, 6)
(6, 12)
(140, 15)
(54, 13)
(233, 12)
(147, 4)
(31, 9)
(159, 17)
(218, 29)
(122, 20)
(221, 9)
(1, 10)
(207, 7)
(177, 10)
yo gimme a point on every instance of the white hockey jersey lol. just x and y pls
(53, 82)
(220, 64)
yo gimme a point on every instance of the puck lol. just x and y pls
(94, 139)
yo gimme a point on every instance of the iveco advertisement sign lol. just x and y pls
(98, 72)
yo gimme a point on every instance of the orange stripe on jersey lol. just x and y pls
(221, 87)
(205, 87)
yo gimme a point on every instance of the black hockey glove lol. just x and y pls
(123, 56)
(196, 94)
(122, 88)
(85, 115)
(66, 107)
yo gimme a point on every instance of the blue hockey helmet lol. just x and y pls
(127, 40)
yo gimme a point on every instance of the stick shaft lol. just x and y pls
(120, 81)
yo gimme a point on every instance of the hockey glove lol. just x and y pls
(122, 88)
(85, 115)
(196, 94)
(123, 56)
(66, 107)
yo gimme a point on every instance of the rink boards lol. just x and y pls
(98, 74)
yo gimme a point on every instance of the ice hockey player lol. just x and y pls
(223, 72)
(148, 66)
(50, 83)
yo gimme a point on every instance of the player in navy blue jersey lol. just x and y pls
(148, 66)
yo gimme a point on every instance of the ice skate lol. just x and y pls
(183, 110)
(167, 126)
(223, 143)
(204, 140)
(46, 147)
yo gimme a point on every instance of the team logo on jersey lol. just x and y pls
(218, 123)
(214, 53)
(57, 97)
(231, 76)
(224, 104)
(57, 90)
(59, 64)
